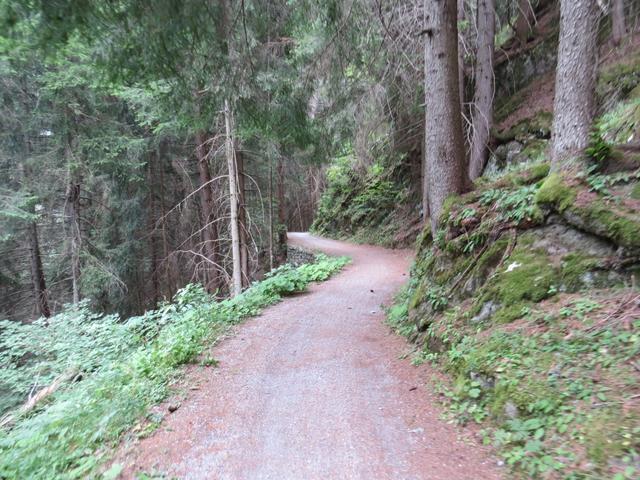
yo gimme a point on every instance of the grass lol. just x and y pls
(120, 369)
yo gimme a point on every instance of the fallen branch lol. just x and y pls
(8, 420)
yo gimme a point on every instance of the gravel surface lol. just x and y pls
(314, 389)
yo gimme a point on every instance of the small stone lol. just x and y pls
(511, 410)
(173, 407)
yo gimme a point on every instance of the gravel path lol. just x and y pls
(314, 389)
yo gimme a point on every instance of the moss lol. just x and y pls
(635, 191)
(447, 207)
(424, 239)
(604, 434)
(539, 171)
(601, 219)
(509, 313)
(623, 77)
(510, 106)
(522, 394)
(528, 129)
(528, 275)
(555, 192)
(418, 296)
(492, 255)
(574, 266)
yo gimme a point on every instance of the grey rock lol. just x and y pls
(486, 382)
(511, 410)
(487, 310)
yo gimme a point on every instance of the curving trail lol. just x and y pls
(314, 389)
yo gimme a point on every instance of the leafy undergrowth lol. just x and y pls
(113, 370)
(526, 297)
(371, 206)
(558, 390)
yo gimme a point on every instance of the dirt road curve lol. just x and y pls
(314, 389)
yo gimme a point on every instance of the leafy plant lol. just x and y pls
(120, 367)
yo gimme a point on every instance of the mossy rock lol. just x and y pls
(528, 275)
(521, 393)
(528, 129)
(604, 220)
(555, 193)
(574, 267)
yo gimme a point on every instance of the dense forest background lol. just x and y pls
(154, 154)
(114, 147)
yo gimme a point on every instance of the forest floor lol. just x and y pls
(317, 387)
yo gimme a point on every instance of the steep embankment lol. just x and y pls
(528, 295)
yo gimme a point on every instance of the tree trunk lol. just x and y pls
(233, 201)
(525, 21)
(460, 10)
(618, 24)
(209, 226)
(281, 247)
(72, 208)
(271, 250)
(444, 149)
(242, 220)
(37, 272)
(575, 81)
(153, 233)
(482, 118)
(167, 262)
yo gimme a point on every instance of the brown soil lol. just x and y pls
(536, 97)
(314, 389)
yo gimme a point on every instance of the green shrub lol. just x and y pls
(120, 368)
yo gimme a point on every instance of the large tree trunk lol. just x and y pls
(575, 81)
(482, 118)
(618, 24)
(460, 10)
(72, 209)
(444, 149)
(209, 225)
(37, 272)
(233, 201)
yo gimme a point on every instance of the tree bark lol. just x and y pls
(444, 148)
(618, 23)
(271, 249)
(575, 81)
(169, 275)
(72, 208)
(153, 233)
(209, 226)
(525, 21)
(37, 272)
(460, 10)
(233, 201)
(482, 118)
(242, 220)
(281, 243)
